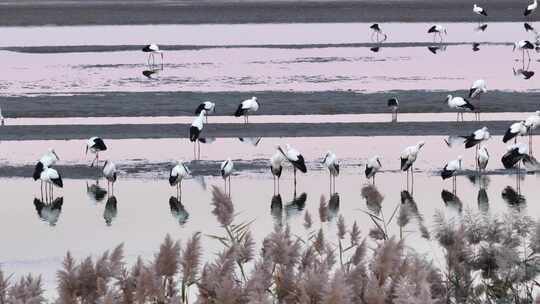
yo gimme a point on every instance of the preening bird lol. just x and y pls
(479, 11)
(514, 154)
(208, 106)
(331, 163)
(50, 177)
(408, 157)
(531, 8)
(393, 104)
(476, 137)
(178, 173)
(110, 174)
(295, 158)
(276, 167)
(226, 170)
(247, 107)
(478, 88)
(482, 159)
(532, 122)
(95, 145)
(376, 30)
(152, 49)
(525, 46)
(517, 128)
(460, 104)
(373, 166)
(450, 170)
(437, 31)
(48, 159)
(195, 132)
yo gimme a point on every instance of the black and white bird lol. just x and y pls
(515, 129)
(95, 145)
(373, 166)
(460, 104)
(276, 167)
(226, 170)
(450, 170)
(247, 107)
(49, 212)
(50, 177)
(479, 11)
(514, 155)
(48, 159)
(195, 133)
(477, 137)
(295, 158)
(178, 173)
(331, 163)
(110, 173)
(438, 30)
(531, 8)
(408, 157)
(482, 158)
(152, 49)
(525, 46)
(532, 122)
(254, 141)
(376, 31)
(208, 106)
(478, 88)
(393, 104)
(476, 47)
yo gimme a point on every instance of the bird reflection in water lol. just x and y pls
(452, 201)
(513, 198)
(373, 198)
(96, 192)
(178, 210)
(476, 47)
(412, 207)
(436, 49)
(482, 27)
(111, 211)
(254, 141)
(482, 181)
(49, 212)
(333, 205)
(296, 205)
(152, 73)
(276, 209)
(483, 200)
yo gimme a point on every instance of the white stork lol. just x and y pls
(393, 104)
(51, 178)
(460, 104)
(437, 30)
(49, 159)
(226, 170)
(479, 11)
(450, 170)
(208, 106)
(296, 159)
(178, 173)
(331, 163)
(110, 174)
(531, 8)
(408, 157)
(195, 132)
(247, 107)
(517, 128)
(514, 155)
(532, 122)
(152, 49)
(376, 30)
(482, 158)
(276, 167)
(95, 145)
(373, 166)
(525, 46)
(478, 88)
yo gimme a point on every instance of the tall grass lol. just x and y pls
(487, 259)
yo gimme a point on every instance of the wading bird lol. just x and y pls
(48, 159)
(110, 173)
(152, 49)
(195, 132)
(393, 104)
(478, 88)
(95, 145)
(482, 158)
(247, 107)
(51, 178)
(450, 170)
(376, 31)
(514, 155)
(531, 8)
(437, 31)
(460, 104)
(296, 159)
(476, 47)
(408, 157)
(208, 106)
(276, 167)
(476, 137)
(479, 11)
(532, 122)
(178, 173)
(226, 170)
(331, 163)
(517, 128)
(525, 46)
(373, 166)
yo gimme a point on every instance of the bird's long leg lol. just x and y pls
(225, 185)
(408, 180)
(229, 186)
(198, 150)
(294, 179)
(530, 142)
(41, 190)
(372, 34)
(278, 185)
(412, 179)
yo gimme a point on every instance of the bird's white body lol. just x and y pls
(454, 165)
(154, 48)
(331, 163)
(521, 148)
(531, 8)
(409, 155)
(518, 128)
(373, 166)
(532, 122)
(227, 167)
(109, 171)
(478, 10)
(482, 158)
(276, 163)
(250, 105)
(478, 88)
(49, 159)
(49, 175)
(456, 103)
(198, 122)
(291, 153)
(439, 28)
(523, 45)
(179, 172)
(481, 135)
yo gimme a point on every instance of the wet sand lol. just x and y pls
(33, 13)
(272, 103)
(66, 132)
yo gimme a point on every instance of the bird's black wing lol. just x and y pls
(467, 105)
(194, 133)
(470, 141)
(432, 29)
(392, 102)
(99, 144)
(199, 109)
(405, 164)
(37, 171)
(300, 164)
(511, 158)
(508, 135)
(445, 173)
(58, 181)
(239, 111)
(368, 171)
